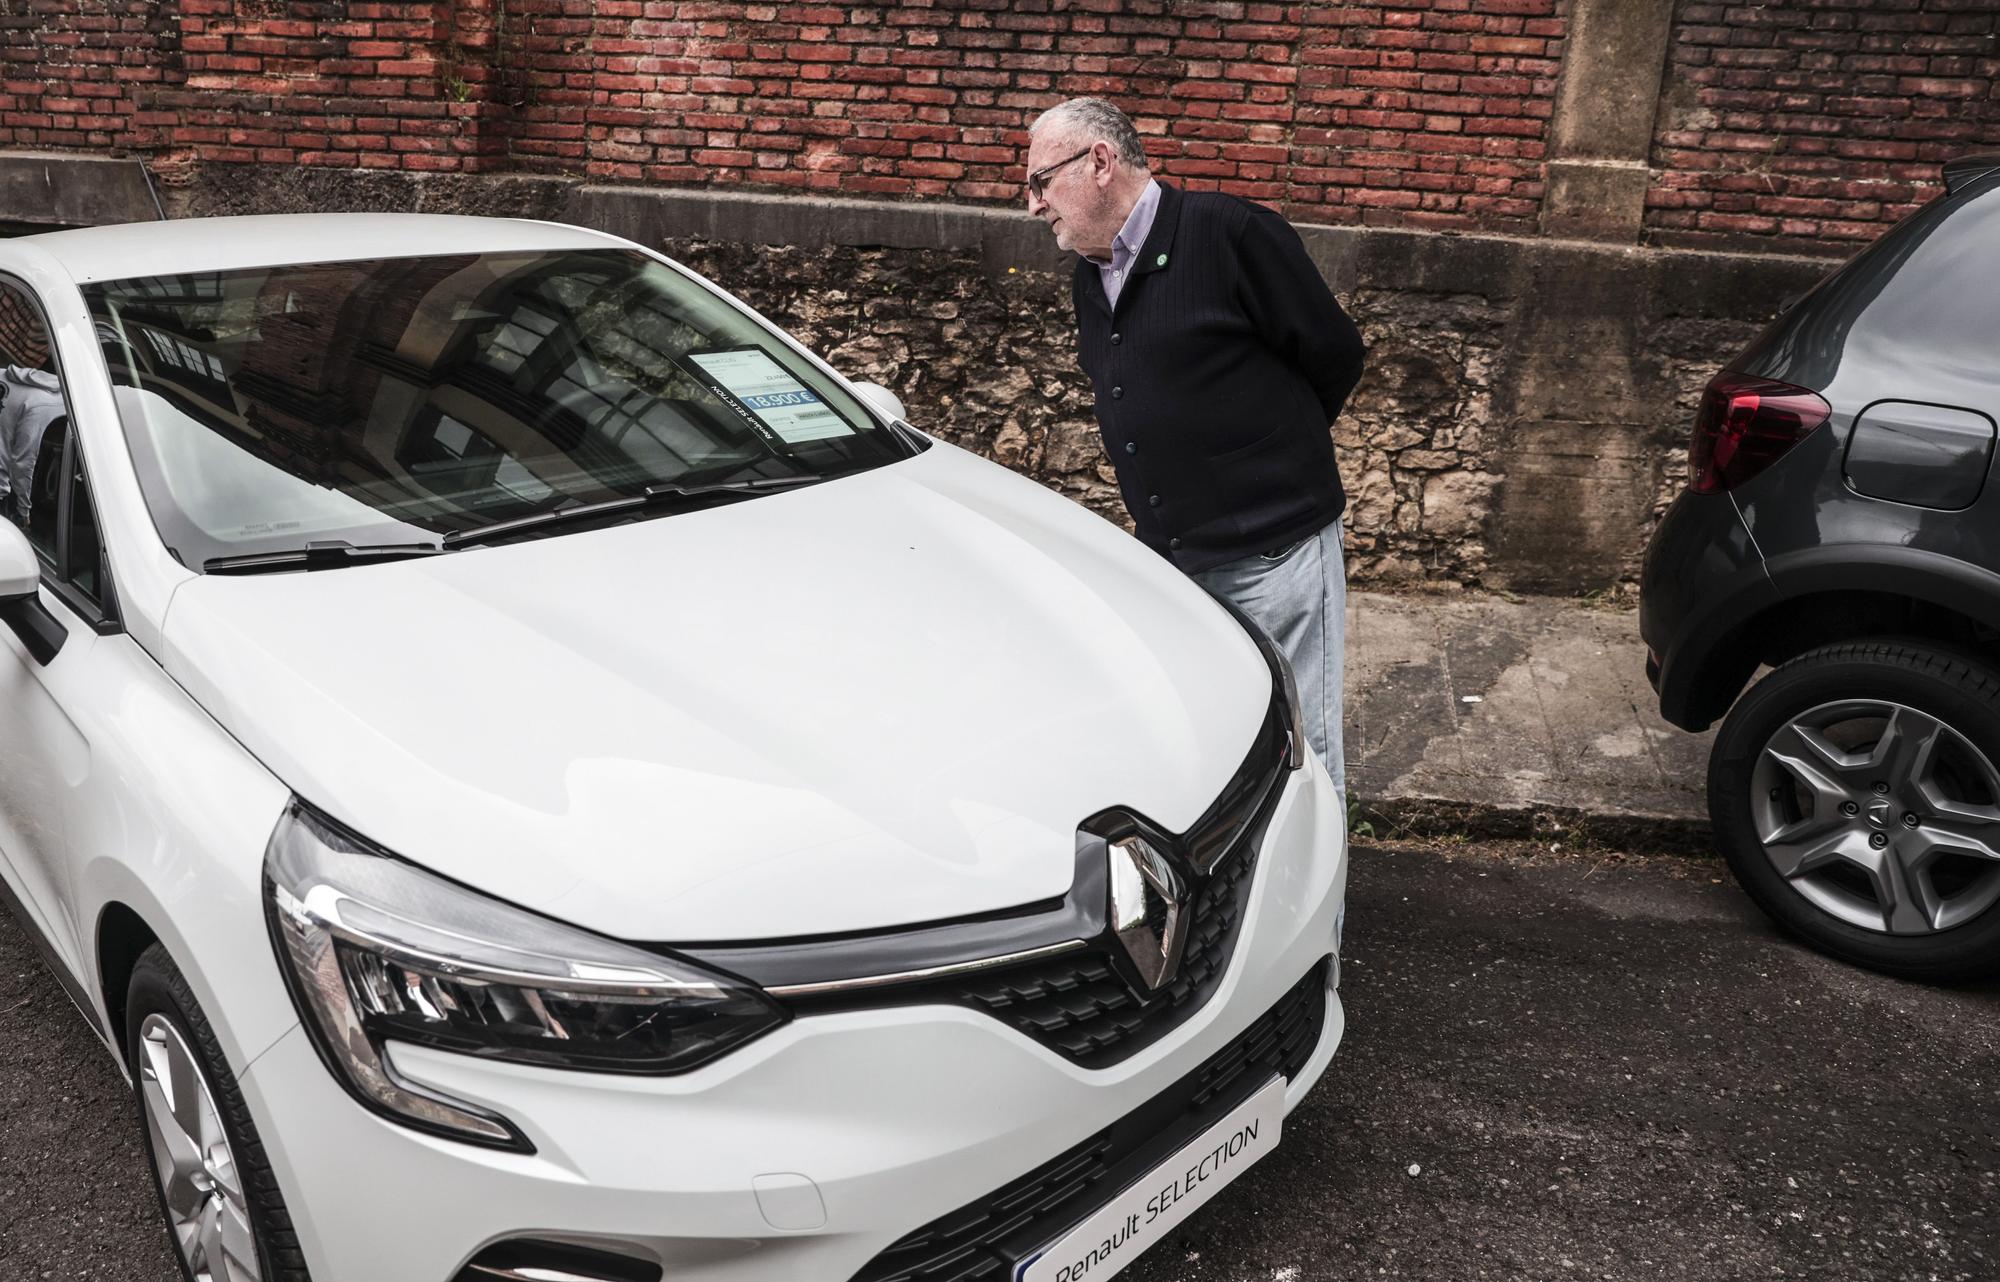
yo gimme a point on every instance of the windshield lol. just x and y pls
(392, 401)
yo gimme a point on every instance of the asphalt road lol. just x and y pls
(1557, 1066)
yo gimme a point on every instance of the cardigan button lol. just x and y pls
(1175, 544)
(1117, 339)
(1153, 500)
(1117, 393)
(1131, 447)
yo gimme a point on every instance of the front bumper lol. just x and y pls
(859, 1127)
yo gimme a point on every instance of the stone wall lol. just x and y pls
(985, 362)
(1428, 447)
(1417, 445)
(989, 363)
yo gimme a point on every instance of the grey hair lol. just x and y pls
(1095, 120)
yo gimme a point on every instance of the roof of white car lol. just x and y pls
(263, 240)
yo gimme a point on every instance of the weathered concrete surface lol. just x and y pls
(1599, 1069)
(1501, 708)
(1602, 128)
(1595, 199)
(1004, 238)
(1610, 85)
(46, 189)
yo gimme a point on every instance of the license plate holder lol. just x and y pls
(1151, 1207)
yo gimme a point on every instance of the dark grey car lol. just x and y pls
(1842, 526)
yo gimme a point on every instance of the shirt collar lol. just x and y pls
(1138, 224)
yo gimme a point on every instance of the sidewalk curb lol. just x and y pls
(1426, 817)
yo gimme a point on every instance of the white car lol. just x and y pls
(535, 776)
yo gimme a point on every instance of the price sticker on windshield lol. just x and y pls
(762, 388)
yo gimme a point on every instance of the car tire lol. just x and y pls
(1855, 792)
(225, 1216)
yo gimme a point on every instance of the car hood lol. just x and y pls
(882, 700)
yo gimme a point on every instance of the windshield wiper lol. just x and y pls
(664, 495)
(674, 489)
(319, 556)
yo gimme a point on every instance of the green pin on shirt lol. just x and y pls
(1161, 261)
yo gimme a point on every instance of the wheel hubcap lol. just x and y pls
(196, 1168)
(1880, 815)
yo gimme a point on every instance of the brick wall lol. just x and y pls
(1818, 119)
(1425, 114)
(1815, 121)
(1404, 112)
(23, 339)
(1417, 111)
(311, 82)
(82, 73)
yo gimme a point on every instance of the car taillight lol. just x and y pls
(1745, 425)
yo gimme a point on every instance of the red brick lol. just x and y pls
(1824, 118)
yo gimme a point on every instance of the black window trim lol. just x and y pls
(103, 619)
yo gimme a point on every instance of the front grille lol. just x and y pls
(1082, 1004)
(1079, 1006)
(1081, 994)
(984, 1240)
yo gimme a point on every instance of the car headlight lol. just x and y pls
(375, 949)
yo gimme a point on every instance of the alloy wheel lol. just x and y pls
(1880, 815)
(192, 1158)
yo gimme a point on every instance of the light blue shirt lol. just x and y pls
(1125, 246)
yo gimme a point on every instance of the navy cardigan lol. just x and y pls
(1218, 377)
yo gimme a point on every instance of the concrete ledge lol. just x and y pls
(76, 189)
(70, 189)
(1496, 267)
(1574, 829)
(1004, 238)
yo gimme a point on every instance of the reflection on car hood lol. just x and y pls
(882, 700)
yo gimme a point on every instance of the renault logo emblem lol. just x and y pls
(1149, 909)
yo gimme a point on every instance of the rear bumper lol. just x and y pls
(1704, 578)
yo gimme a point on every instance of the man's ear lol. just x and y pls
(1102, 160)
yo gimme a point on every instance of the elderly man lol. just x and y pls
(1219, 360)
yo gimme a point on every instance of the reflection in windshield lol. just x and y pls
(1914, 299)
(31, 401)
(395, 400)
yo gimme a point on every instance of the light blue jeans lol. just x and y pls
(1299, 596)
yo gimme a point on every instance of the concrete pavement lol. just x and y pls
(1504, 714)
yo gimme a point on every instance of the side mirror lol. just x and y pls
(20, 568)
(21, 607)
(881, 400)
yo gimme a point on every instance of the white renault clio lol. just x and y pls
(535, 776)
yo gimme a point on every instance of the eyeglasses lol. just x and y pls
(1038, 182)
